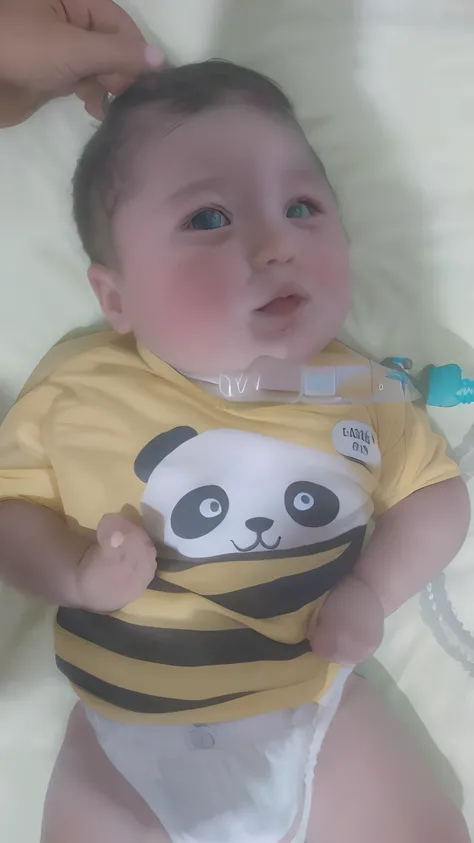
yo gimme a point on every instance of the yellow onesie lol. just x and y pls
(257, 510)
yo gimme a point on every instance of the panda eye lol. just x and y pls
(210, 508)
(199, 512)
(310, 504)
(303, 501)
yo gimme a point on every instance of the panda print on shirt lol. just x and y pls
(232, 494)
(251, 532)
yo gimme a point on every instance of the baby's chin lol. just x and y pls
(243, 359)
(234, 353)
(295, 340)
(292, 348)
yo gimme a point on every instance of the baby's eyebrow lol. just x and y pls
(187, 191)
(302, 174)
(218, 183)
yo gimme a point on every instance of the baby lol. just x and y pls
(210, 622)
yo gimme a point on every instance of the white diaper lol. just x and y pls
(246, 781)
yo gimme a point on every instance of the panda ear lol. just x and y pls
(159, 448)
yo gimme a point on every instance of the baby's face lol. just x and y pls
(231, 247)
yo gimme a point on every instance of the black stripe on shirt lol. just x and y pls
(288, 594)
(158, 584)
(134, 700)
(177, 647)
(175, 564)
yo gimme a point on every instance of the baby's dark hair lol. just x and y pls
(102, 176)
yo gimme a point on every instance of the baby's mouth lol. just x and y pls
(282, 305)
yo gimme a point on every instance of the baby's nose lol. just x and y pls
(273, 248)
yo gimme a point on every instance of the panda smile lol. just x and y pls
(259, 526)
(259, 542)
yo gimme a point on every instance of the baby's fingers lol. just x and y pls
(113, 529)
(137, 542)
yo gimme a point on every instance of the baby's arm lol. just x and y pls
(414, 541)
(40, 554)
(411, 544)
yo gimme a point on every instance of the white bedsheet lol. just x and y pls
(385, 89)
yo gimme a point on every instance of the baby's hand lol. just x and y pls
(350, 625)
(117, 568)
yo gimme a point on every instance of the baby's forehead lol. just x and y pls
(229, 139)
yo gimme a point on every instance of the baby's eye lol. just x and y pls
(208, 219)
(300, 210)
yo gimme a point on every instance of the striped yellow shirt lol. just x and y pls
(256, 511)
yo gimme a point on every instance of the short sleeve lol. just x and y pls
(413, 456)
(25, 470)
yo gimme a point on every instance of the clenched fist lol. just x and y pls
(350, 625)
(117, 568)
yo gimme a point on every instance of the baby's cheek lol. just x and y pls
(195, 310)
(332, 280)
(334, 268)
(334, 258)
(202, 289)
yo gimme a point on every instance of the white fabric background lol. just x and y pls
(385, 89)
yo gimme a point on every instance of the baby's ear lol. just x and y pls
(106, 285)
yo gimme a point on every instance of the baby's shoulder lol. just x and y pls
(85, 356)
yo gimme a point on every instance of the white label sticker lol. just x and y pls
(356, 440)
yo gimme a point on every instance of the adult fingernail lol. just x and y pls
(107, 101)
(116, 539)
(154, 55)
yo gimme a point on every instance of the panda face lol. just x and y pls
(237, 494)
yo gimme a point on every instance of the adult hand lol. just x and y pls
(52, 48)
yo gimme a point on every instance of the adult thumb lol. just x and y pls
(102, 54)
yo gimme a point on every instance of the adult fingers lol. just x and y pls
(98, 54)
(92, 94)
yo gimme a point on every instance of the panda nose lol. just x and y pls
(259, 525)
